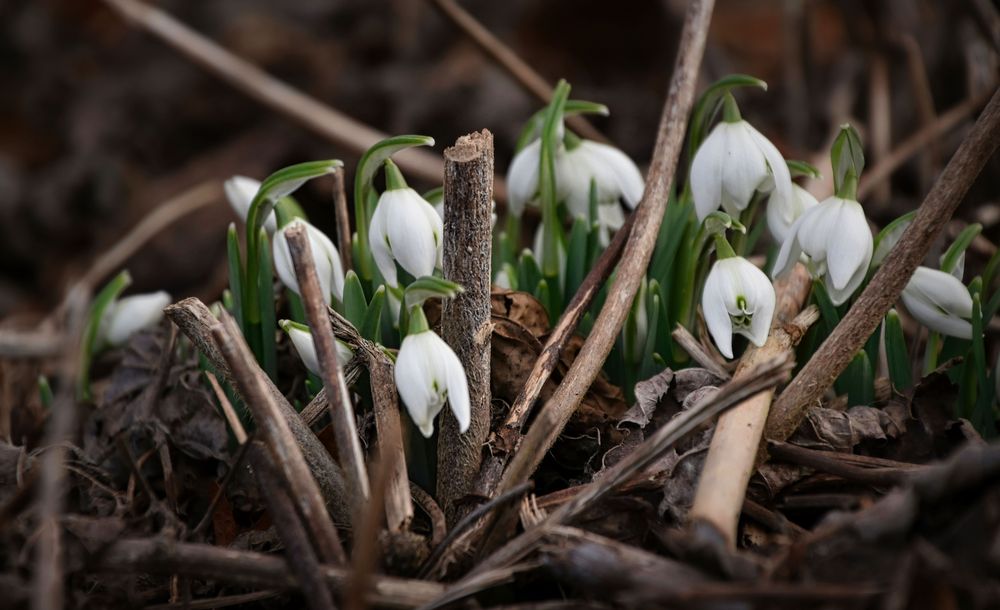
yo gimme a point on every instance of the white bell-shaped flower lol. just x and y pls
(837, 243)
(240, 192)
(129, 315)
(737, 298)
(733, 162)
(325, 256)
(939, 301)
(305, 347)
(428, 373)
(522, 177)
(615, 177)
(784, 210)
(404, 229)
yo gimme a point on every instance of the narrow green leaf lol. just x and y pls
(90, 343)
(552, 233)
(802, 168)
(542, 294)
(576, 255)
(528, 273)
(45, 391)
(355, 304)
(826, 308)
(533, 127)
(288, 209)
(897, 356)
(858, 381)
(953, 255)
(234, 260)
(371, 327)
(429, 287)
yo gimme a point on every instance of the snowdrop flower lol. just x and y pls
(325, 255)
(240, 192)
(733, 162)
(939, 301)
(428, 373)
(738, 297)
(837, 243)
(302, 341)
(783, 211)
(404, 229)
(129, 315)
(613, 173)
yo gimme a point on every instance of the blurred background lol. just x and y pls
(101, 122)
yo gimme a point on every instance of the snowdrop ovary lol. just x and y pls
(734, 162)
(325, 257)
(404, 229)
(939, 301)
(837, 243)
(428, 374)
(738, 298)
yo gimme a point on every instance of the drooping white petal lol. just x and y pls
(131, 314)
(324, 255)
(610, 217)
(782, 212)
(612, 172)
(706, 173)
(760, 294)
(713, 305)
(629, 179)
(851, 249)
(744, 169)
(458, 388)
(240, 192)
(413, 229)
(522, 177)
(378, 241)
(933, 318)
(790, 250)
(780, 179)
(415, 380)
(305, 347)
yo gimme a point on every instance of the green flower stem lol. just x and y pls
(849, 187)
(547, 182)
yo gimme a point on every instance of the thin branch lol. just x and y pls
(733, 451)
(352, 460)
(307, 111)
(465, 319)
(343, 216)
(689, 344)
(195, 320)
(670, 137)
(526, 76)
(849, 336)
(826, 461)
(276, 434)
(389, 432)
(166, 557)
(227, 409)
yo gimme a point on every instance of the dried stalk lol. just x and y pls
(196, 321)
(298, 551)
(47, 590)
(398, 503)
(836, 352)
(343, 215)
(465, 320)
(698, 353)
(638, 250)
(160, 556)
(352, 461)
(735, 443)
(505, 441)
(277, 435)
(526, 76)
(309, 112)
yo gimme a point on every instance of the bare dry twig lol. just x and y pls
(465, 320)
(352, 460)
